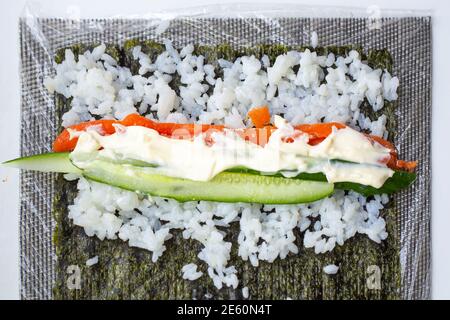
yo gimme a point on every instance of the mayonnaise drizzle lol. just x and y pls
(195, 160)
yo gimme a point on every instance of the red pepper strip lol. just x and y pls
(258, 136)
(260, 116)
(318, 131)
(64, 143)
(393, 161)
(172, 130)
(409, 166)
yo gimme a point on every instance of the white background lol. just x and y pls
(10, 115)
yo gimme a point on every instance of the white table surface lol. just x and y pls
(10, 10)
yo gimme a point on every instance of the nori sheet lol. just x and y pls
(128, 273)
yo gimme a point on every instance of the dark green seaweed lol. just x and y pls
(128, 273)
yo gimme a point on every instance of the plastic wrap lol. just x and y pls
(406, 35)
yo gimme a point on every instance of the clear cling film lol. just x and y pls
(403, 268)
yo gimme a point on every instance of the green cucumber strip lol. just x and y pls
(90, 156)
(400, 180)
(47, 162)
(60, 162)
(225, 187)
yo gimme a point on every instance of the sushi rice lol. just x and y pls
(331, 269)
(100, 87)
(92, 261)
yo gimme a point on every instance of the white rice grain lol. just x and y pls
(331, 269)
(90, 262)
(314, 39)
(245, 293)
(190, 272)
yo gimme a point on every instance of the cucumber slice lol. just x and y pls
(47, 162)
(60, 162)
(91, 156)
(399, 181)
(225, 187)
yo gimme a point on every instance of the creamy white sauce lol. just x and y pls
(196, 160)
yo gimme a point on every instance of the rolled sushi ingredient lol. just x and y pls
(260, 116)
(67, 139)
(60, 162)
(317, 133)
(224, 187)
(47, 162)
(203, 161)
